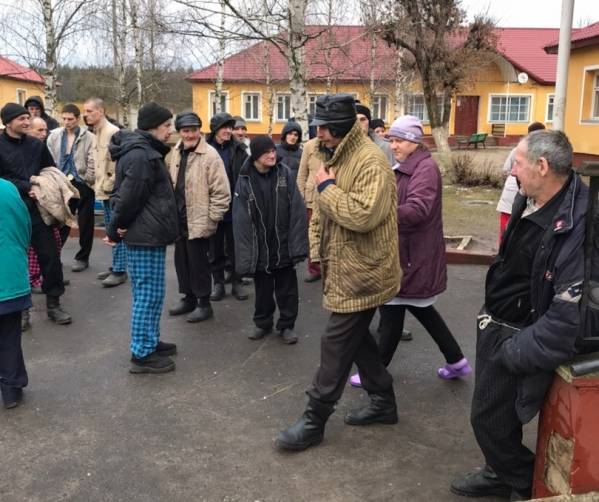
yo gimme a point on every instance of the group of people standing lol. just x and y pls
(375, 238)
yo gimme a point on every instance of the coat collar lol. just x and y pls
(411, 163)
(200, 149)
(349, 145)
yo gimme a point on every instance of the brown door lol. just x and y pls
(466, 115)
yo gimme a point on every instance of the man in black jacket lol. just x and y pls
(529, 323)
(222, 246)
(35, 107)
(21, 157)
(289, 150)
(268, 210)
(144, 216)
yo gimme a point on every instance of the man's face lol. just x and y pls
(92, 114)
(38, 128)
(190, 136)
(324, 136)
(401, 148)
(380, 131)
(239, 133)
(267, 159)
(224, 134)
(364, 122)
(34, 110)
(18, 126)
(292, 138)
(70, 121)
(528, 174)
(163, 131)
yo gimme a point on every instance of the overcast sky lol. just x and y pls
(532, 13)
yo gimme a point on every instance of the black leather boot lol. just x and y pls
(55, 312)
(381, 409)
(481, 483)
(185, 305)
(238, 292)
(309, 429)
(218, 292)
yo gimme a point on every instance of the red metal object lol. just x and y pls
(567, 460)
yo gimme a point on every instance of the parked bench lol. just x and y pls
(474, 140)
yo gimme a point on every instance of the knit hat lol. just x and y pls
(221, 120)
(187, 119)
(334, 109)
(407, 127)
(260, 145)
(364, 110)
(11, 111)
(239, 122)
(151, 115)
(374, 123)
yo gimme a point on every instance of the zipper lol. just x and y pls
(485, 319)
(277, 220)
(263, 226)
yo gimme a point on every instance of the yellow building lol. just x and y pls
(582, 99)
(505, 96)
(17, 83)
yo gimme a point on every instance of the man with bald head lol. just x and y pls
(38, 128)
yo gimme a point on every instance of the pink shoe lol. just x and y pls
(354, 380)
(455, 370)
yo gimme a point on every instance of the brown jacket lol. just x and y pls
(105, 167)
(353, 231)
(309, 164)
(84, 144)
(207, 191)
(53, 191)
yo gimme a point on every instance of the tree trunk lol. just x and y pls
(372, 86)
(220, 65)
(51, 70)
(296, 62)
(400, 85)
(137, 47)
(121, 68)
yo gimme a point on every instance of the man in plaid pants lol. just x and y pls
(144, 216)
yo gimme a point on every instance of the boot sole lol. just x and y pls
(175, 313)
(381, 420)
(282, 445)
(113, 284)
(136, 370)
(497, 492)
(199, 320)
(61, 323)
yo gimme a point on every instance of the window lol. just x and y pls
(21, 96)
(510, 109)
(224, 102)
(596, 97)
(251, 106)
(379, 107)
(550, 104)
(283, 107)
(312, 103)
(417, 107)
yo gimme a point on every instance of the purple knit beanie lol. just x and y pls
(407, 127)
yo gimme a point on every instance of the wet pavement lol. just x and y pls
(90, 431)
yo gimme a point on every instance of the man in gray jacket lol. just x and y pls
(72, 147)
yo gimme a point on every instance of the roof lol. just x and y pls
(583, 37)
(10, 69)
(350, 61)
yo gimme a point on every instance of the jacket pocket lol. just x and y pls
(359, 274)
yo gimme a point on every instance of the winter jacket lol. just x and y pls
(420, 222)
(290, 222)
(52, 123)
(53, 191)
(104, 164)
(143, 200)
(309, 165)
(84, 145)
(207, 192)
(353, 230)
(290, 155)
(535, 351)
(15, 234)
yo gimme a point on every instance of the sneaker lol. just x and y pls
(103, 275)
(152, 363)
(259, 333)
(114, 279)
(406, 336)
(36, 290)
(201, 313)
(79, 266)
(455, 370)
(355, 381)
(166, 349)
(288, 335)
(238, 292)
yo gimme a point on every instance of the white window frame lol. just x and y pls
(211, 96)
(315, 96)
(550, 99)
(425, 118)
(259, 110)
(595, 100)
(379, 97)
(508, 97)
(590, 120)
(282, 95)
(24, 91)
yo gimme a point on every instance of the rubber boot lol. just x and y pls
(55, 312)
(309, 429)
(381, 409)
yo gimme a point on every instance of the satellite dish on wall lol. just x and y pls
(522, 78)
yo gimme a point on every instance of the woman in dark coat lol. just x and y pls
(421, 250)
(289, 151)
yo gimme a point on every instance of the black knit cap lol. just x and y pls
(374, 123)
(334, 109)
(151, 115)
(221, 120)
(260, 145)
(364, 110)
(187, 119)
(11, 111)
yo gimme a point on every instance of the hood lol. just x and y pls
(38, 101)
(291, 126)
(125, 140)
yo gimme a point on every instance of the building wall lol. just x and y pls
(9, 87)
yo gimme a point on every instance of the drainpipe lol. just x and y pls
(563, 59)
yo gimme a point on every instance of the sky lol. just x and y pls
(533, 13)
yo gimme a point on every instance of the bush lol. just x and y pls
(466, 172)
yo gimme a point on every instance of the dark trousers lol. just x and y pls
(44, 245)
(84, 208)
(346, 340)
(193, 268)
(392, 322)
(222, 251)
(280, 284)
(496, 425)
(12, 365)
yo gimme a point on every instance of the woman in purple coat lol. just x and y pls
(421, 250)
